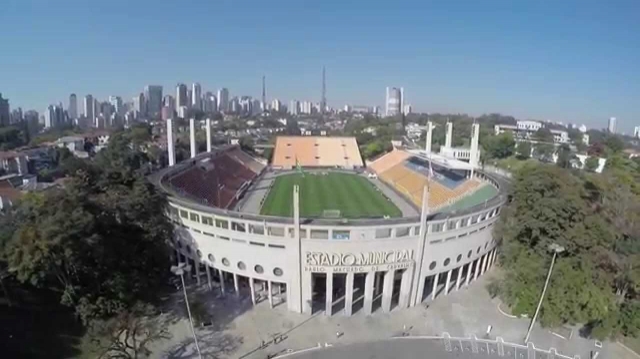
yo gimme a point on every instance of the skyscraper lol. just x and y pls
(181, 95)
(223, 99)
(169, 103)
(395, 101)
(73, 107)
(209, 103)
(294, 107)
(54, 116)
(89, 106)
(139, 104)
(612, 125)
(153, 98)
(196, 96)
(4, 111)
(116, 103)
(636, 132)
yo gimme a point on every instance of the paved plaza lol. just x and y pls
(239, 329)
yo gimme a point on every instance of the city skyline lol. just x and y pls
(529, 61)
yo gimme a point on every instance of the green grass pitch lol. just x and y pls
(354, 196)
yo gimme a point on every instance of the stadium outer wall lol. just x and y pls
(364, 264)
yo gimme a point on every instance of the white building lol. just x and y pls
(525, 130)
(72, 143)
(183, 111)
(181, 96)
(294, 107)
(582, 128)
(196, 96)
(89, 106)
(223, 100)
(275, 105)
(72, 111)
(394, 101)
(116, 102)
(306, 107)
(54, 116)
(612, 126)
(140, 104)
(636, 132)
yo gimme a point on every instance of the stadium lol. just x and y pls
(320, 230)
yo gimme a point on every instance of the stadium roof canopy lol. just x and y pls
(446, 162)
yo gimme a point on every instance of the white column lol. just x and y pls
(446, 285)
(221, 281)
(170, 144)
(477, 272)
(236, 287)
(387, 290)
(459, 276)
(270, 294)
(405, 288)
(490, 260)
(348, 299)
(208, 121)
(469, 266)
(449, 135)
(484, 260)
(253, 291)
(208, 269)
(435, 286)
(192, 131)
(328, 305)
(429, 136)
(368, 292)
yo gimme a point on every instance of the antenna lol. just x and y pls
(264, 94)
(323, 102)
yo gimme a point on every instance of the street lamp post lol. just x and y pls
(556, 249)
(179, 270)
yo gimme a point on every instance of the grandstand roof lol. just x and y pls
(316, 151)
(443, 161)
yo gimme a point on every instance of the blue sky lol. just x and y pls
(572, 61)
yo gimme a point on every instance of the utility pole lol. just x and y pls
(180, 270)
(556, 249)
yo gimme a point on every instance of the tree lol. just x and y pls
(500, 146)
(591, 164)
(544, 152)
(565, 157)
(524, 150)
(129, 334)
(100, 242)
(543, 135)
(614, 143)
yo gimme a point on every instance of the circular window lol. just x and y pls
(188, 248)
(258, 268)
(211, 259)
(225, 261)
(242, 266)
(199, 253)
(447, 261)
(277, 272)
(459, 258)
(478, 251)
(432, 266)
(469, 254)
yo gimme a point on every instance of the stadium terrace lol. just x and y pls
(320, 230)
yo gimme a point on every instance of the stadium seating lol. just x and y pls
(216, 180)
(390, 159)
(411, 182)
(247, 161)
(312, 151)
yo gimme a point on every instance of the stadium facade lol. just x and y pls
(334, 265)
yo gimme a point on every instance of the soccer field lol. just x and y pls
(354, 196)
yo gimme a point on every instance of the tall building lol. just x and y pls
(395, 101)
(169, 102)
(72, 111)
(16, 116)
(54, 116)
(209, 103)
(612, 125)
(223, 99)
(408, 109)
(306, 107)
(4, 111)
(153, 99)
(139, 104)
(118, 106)
(89, 107)
(275, 105)
(636, 132)
(294, 107)
(196, 96)
(181, 95)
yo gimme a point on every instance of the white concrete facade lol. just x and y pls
(336, 268)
